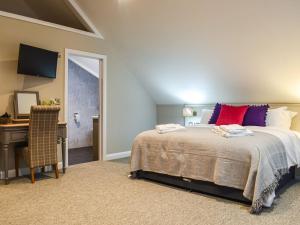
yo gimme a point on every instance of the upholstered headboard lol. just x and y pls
(173, 113)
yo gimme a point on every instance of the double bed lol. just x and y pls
(250, 169)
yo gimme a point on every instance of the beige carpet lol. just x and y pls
(101, 193)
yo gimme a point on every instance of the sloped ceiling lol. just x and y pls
(203, 51)
(54, 11)
(91, 65)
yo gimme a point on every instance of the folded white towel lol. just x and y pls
(218, 130)
(170, 130)
(245, 133)
(233, 128)
(166, 128)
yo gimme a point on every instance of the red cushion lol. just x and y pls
(231, 115)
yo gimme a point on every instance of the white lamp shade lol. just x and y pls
(186, 112)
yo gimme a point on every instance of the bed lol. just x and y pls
(248, 169)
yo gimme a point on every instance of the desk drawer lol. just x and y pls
(18, 136)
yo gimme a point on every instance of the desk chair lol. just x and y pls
(42, 140)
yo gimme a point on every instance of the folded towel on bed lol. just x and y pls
(233, 128)
(166, 128)
(233, 133)
(242, 134)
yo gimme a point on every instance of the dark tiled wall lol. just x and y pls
(84, 99)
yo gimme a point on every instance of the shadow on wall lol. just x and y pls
(8, 75)
(10, 106)
(35, 81)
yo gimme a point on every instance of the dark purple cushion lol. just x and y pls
(256, 115)
(216, 113)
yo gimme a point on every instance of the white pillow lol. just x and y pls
(205, 115)
(280, 117)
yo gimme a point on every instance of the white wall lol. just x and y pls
(204, 51)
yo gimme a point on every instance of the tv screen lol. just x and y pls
(37, 62)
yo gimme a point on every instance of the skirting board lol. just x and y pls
(25, 171)
(118, 155)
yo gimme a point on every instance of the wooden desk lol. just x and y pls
(14, 133)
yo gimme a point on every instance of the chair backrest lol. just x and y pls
(42, 136)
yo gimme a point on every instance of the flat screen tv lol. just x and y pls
(37, 62)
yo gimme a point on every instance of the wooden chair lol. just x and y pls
(42, 140)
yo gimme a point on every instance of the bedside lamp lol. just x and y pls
(187, 112)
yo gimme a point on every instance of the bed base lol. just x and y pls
(207, 187)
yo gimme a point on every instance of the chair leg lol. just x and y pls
(17, 163)
(32, 175)
(56, 171)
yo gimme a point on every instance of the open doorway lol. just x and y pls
(85, 106)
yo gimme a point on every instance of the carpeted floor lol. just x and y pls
(101, 193)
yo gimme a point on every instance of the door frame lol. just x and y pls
(102, 98)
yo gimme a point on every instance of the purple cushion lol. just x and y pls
(216, 113)
(256, 116)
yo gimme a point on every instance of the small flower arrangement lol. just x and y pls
(52, 101)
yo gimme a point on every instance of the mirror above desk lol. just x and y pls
(23, 100)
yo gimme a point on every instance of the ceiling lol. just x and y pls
(54, 11)
(203, 51)
(91, 65)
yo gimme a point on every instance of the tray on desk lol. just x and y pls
(20, 121)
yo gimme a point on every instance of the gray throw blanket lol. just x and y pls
(253, 164)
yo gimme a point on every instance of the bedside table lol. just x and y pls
(192, 121)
